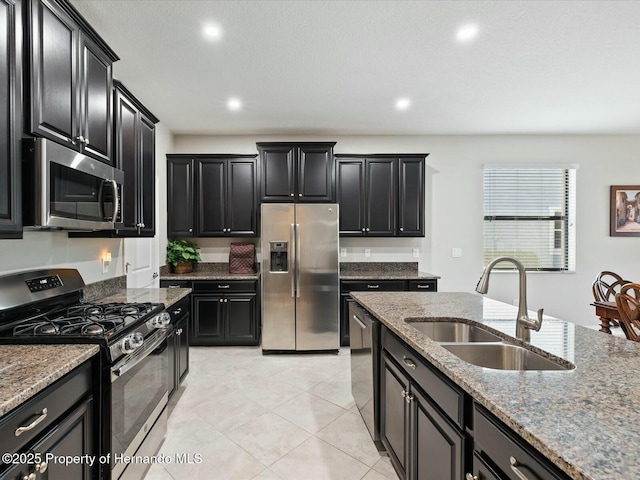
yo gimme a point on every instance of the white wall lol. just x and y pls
(454, 170)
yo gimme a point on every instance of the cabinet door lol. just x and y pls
(211, 194)
(147, 178)
(73, 436)
(10, 119)
(182, 348)
(241, 321)
(126, 154)
(394, 414)
(207, 321)
(180, 183)
(277, 173)
(345, 300)
(350, 196)
(241, 201)
(437, 447)
(411, 197)
(381, 197)
(172, 349)
(54, 67)
(95, 101)
(315, 174)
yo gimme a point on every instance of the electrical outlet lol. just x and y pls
(105, 266)
(367, 252)
(416, 253)
(343, 252)
(456, 252)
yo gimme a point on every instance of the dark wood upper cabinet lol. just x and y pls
(381, 195)
(411, 193)
(212, 196)
(70, 79)
(297, 172)
(180, 197)
(135, 155)
(10, 117)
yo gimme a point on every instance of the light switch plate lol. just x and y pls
(343, 252)
(367, 252)
(416, 253)
(456, 252)
(105, 267)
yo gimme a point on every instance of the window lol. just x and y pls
(529, 214)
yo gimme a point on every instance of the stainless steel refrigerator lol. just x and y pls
(299, 273)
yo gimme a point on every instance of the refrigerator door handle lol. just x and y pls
(297, 260)
(292, 260)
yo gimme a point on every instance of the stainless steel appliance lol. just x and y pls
(45, 306)
(68, 190)
(364, 333)
(300, 290)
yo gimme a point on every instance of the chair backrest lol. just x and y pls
(606, 285)
(628, 303)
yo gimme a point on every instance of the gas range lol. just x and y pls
(46, 306)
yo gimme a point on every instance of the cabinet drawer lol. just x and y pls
(175, 283)
(56, 399)
(498, 443)
(373, 285)
(446, 395)
(224, 287)
(423, 285)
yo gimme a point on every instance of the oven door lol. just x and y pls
(139, 391)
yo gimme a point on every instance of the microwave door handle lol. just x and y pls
(116, 200)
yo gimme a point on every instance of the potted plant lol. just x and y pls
(181, 255)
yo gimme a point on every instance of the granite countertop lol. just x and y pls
(584, 420)
(26, 370)
(209, 275)
(389, 275)
(168, 296)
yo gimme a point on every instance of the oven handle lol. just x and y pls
(119, 371)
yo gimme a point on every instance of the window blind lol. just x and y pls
(529, 214)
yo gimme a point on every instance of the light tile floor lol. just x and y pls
(241, 415)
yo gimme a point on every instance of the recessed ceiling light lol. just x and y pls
(234, 104)
(403, 103)
(466, 33)
(212, 32)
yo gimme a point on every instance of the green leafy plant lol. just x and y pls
(179, 251)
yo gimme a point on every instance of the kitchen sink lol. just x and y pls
(503, 356)
(452, 331)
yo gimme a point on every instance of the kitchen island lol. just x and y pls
(584, 420)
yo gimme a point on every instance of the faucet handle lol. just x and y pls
(539, 325)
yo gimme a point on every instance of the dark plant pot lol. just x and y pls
(183, 267)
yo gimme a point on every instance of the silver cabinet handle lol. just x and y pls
(401, 229)
(179, 331)
(425, 287)
(362, 325)
(177, 311)
(291, 195)
(367, 229)
(173, 286)
(409, 398)
(191, 230)
(408, 362)
(31, 476)
(41, 467)
(224, 286)
(471, 476)
(514, 466)
(373, 286)
(404, 393)
(221, 300)
(364, 229)
(299, 194)
(41, 416)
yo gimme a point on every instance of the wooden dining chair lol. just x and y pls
(628, 303)
(606, 285)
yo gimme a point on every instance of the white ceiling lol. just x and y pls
(337, 67)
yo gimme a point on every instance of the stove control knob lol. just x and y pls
(162, 320)
(131, 343)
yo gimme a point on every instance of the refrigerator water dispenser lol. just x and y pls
(279, 256)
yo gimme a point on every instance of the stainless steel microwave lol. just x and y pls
(66, 189)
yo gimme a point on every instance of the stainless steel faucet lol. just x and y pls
(524, 324)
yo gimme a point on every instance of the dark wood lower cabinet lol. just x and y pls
(422, 443)
(178, 345)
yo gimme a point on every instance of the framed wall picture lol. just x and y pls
(625, 211)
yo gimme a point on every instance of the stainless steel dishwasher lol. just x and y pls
(365, 368)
